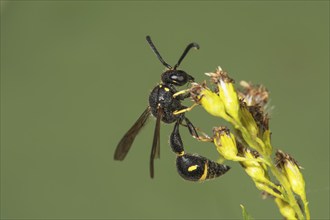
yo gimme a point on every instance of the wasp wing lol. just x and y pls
(155, 150)
(126, 142)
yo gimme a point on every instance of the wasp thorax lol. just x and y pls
(176, 77)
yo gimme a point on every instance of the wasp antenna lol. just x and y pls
(157, 53)
(191, 45)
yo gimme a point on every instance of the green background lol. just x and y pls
(76, 75)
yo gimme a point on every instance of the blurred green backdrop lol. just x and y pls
(75, 76)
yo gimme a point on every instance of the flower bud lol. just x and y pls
(266, 138)
(255, 169)
(291, 170)
(210, 101)
(258, 172)
(225, 143)
(227, 92)
(248, 121)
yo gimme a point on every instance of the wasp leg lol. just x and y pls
(191, 128)
(193, 131)
(185, 109)
(183, 94)
(204, 137)
(194, 167)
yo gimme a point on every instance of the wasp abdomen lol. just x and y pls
(215, 169)
(194, 167)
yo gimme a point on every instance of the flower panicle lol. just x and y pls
(250, 144)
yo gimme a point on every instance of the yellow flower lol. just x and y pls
(291, 170)
(258, 172)
(210, 101)
(227, 92)
(226, 143)
(255, 169)
(248, 121)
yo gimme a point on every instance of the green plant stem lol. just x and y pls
(305, 202)
(307, 213)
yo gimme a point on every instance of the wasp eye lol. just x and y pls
(179, 78)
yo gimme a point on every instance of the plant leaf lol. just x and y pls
(246, 216)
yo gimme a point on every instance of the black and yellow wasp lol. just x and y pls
(162, 105)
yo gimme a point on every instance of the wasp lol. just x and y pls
(164, 105)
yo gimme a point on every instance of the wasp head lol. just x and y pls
(176, 77)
